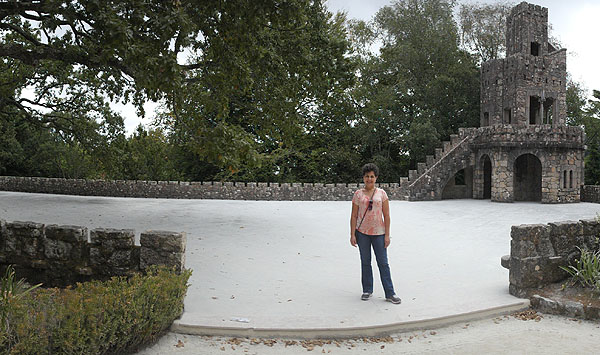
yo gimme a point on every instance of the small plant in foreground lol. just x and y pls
(586, 270)
(98, 317)
(11, 290)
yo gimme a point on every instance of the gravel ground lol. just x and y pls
(524, 333)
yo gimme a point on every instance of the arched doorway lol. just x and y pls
(487, 176)
(527, 178)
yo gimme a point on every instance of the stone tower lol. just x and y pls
(523, 151)
(527, 87)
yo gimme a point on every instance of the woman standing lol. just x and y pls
(370, 227)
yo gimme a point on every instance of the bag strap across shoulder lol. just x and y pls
(366, 209)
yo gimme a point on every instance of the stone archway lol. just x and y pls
(486, 163)
(527, 178)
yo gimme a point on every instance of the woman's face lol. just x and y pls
(369, 178)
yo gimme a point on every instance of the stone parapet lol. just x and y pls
(194, 190)
(590, 193)
(62, 255)
(538, 251)
(541, 136)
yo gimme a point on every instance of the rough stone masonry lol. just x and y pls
(62, 255)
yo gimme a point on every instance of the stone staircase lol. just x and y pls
(427, 182)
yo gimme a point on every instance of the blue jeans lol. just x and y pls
(365, 242)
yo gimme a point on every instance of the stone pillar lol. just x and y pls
(502, 178)
(113, 252)
(550, 178)
(162, 248)
(478, 179)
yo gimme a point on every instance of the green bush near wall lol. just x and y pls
(98, 317)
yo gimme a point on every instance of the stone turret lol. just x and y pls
(523, 150)
(528, 87)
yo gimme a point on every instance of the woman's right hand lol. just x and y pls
(353, 240)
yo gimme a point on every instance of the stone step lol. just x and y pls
(403, 181)
(447, 146)
(438, 153)
(454, 138)
(412, 175)
(430, 159)
(421, 167)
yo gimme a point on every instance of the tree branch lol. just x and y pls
(28, 36)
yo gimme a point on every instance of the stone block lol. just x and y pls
(590, 227)
(121, 258)
(113, 238)
(57, 249)
(505, 261)
(573, 309)
(566, 237)
(69, 234)
(535, 272)
(529, 232)
(545, 305)
(2, 235)
(24, 238)
(150, 257)
(164, 241)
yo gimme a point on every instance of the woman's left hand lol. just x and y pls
(387, 241)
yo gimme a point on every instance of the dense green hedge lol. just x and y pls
(96, 317)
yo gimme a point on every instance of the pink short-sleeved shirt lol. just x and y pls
(373, 223)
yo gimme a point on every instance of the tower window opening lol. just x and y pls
(459, 177)
(507, 116)
(486, 119)
(534, 110)
(535, 49)
(571, 179)
(548, 111)
(564, 179)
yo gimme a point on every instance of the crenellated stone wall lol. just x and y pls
(63, 255)
(559, 150)
(537, 252)
(195, 190)
(590, 193)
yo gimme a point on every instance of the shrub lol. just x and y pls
(97, 317)
(586, 270)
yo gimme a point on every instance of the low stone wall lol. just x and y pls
(590, 193)
(62, 255)
(194, 190)
(537, 251)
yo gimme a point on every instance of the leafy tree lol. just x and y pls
(483, 29)
(576, 101)
(149, 156)
(421, 85)
(253, 94)
(591, 122)
(255, 71)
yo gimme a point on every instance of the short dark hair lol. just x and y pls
(370, 167)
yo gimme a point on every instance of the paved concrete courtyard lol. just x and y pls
(288, 266)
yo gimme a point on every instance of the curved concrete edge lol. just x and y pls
(349, 332)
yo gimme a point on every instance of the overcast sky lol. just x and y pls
(574, 22)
